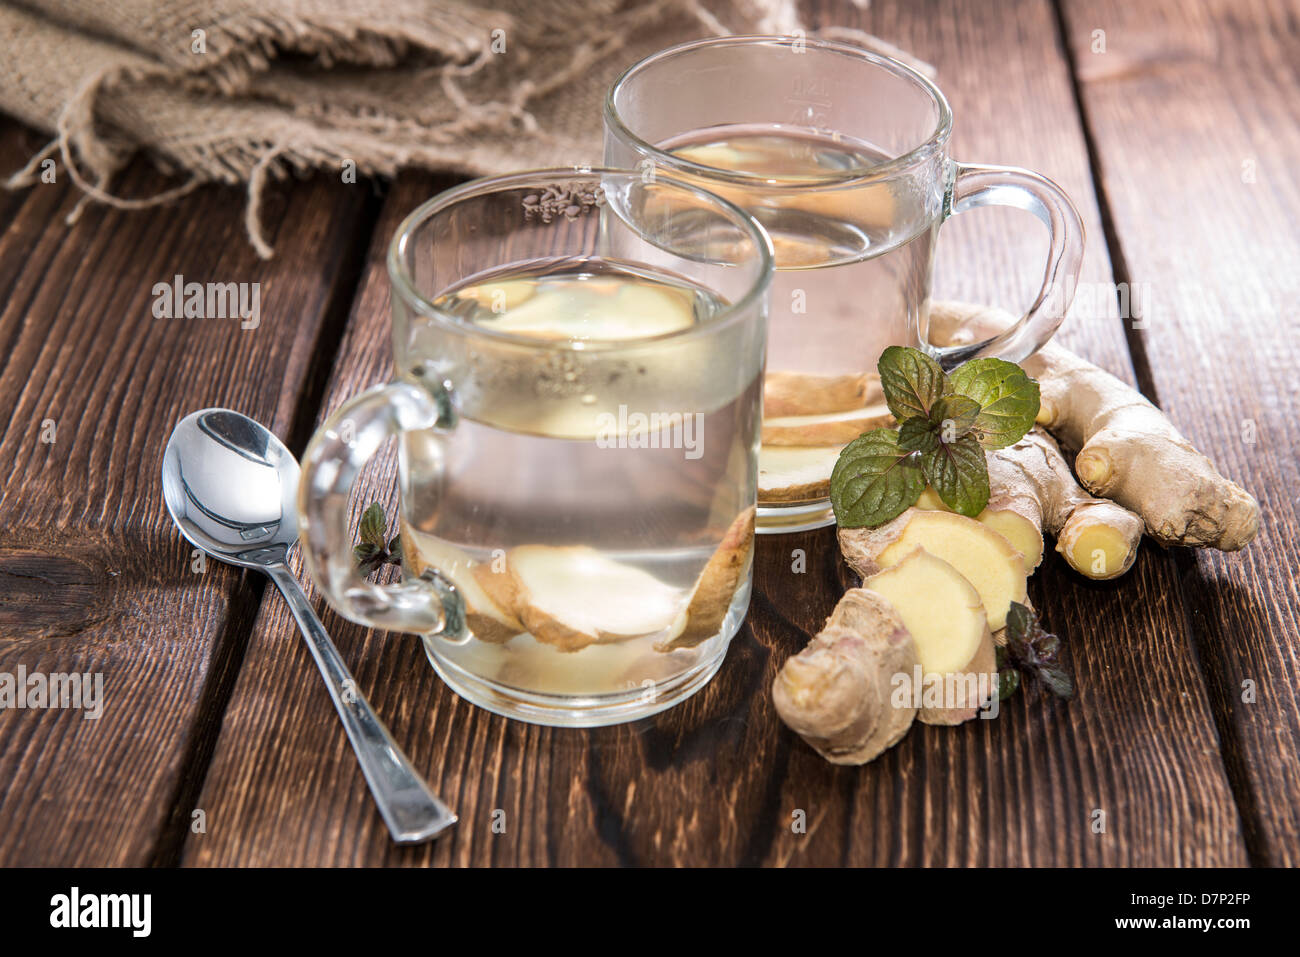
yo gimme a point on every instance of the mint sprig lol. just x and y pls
(1030, 651)
(374, 549)
(946, 422)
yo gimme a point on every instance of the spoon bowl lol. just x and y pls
(231, 487)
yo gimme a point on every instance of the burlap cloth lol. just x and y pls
(241, 91)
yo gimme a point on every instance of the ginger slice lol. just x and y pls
(809, 393)
(1022, 527)
(837, 694)
(573, 596)
(792, 473)
(487, 620)
(499, 296)
(943, 613)
(832, 428)
(598, 310)
(716, 586)
(988, 561)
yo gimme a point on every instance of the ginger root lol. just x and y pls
(1032, 490)
(982, 556)
(836, 694)
(1023, 529)
(913, 642)
(1097, 537)
(572, 596)
(1128, 450)
(485, 619)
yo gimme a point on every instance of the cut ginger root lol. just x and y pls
(809, 393)
(1097, 537)
(984, 557)
(792, 473)
(830, 428)
(485, 619)
(1032, 490)
(913, 642)
(716, 587)
(572, 596)
(943, 612)
(837, 693)
(1024, 532)
(1128, 450)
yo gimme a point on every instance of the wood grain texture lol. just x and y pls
(719, 780)
(1195, 112)
(93, 578)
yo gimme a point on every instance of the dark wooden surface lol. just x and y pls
(213, 702)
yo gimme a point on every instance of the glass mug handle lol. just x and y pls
(341, 447)
(972, 186)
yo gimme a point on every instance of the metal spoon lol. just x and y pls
(231, 486)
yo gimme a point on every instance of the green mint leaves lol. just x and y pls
(911, 380)
(946, 424)
(374, 549)
(1030, 651)
(1006, 396)
(874, 476)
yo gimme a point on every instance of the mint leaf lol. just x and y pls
(1057, 681)
(365, 554)
(953, 416)
(874, 480)
(959, 473)
(395, 549)
(917, 434)
(373, 526)
(1020, 622)
(1007, 397)
(911, 380)
(1033, 652)
(950, 419)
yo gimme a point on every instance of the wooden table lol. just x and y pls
(1172, 124)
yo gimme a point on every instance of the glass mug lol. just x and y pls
(577, 407)
(842, 155)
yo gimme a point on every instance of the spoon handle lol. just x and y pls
(410, 809)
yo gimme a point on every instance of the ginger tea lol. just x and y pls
(597, 531)
(853, 274)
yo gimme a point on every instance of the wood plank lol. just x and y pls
(1193, 108)
(718, 779)
(93, 577)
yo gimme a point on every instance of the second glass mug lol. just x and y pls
(579, 361)
(842, 155)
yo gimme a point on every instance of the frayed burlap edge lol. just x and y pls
(239, 49)
(384, 146)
